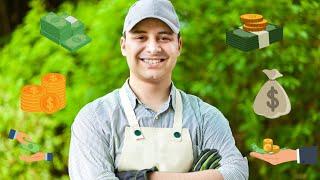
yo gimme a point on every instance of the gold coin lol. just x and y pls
(267, 141)
(275, 148)
(32, 90)
(262, 23)
(50, 103)
(55, 78)
(251, 18)
(252, 29)
(267, 147)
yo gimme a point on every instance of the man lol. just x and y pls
(148, 122)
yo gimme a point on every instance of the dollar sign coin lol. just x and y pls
(49, 103)
(274, 101)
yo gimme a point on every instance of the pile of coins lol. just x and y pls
(50, 97)
(269, 147)
(253, 22)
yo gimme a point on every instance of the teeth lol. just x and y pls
(152, 61)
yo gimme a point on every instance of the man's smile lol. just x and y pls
(153, 60)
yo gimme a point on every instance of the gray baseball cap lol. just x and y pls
(160, 9)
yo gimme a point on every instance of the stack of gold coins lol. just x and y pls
(30, 98)
(56, 86)
(253, 22)
(269, 147)
(267, 144)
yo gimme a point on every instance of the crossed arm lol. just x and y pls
(199, 175)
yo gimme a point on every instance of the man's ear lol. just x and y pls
(180, 45)
(123, 46)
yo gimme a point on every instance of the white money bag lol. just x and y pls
(272, 100)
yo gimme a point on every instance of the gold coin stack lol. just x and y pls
(269, 147)
(50, 97)
(30, 97)
(253, 22)
(56, 85)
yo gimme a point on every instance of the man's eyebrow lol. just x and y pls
(138, 31)
(166, 32)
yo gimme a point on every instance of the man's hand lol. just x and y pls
(208, 159)
(282, 156)
(135, 175)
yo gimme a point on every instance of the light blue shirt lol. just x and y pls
(97, 134)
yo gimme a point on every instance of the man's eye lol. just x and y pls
(165, 39)
(140, 37)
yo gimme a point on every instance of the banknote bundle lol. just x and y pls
(254, 35)
(64, 30)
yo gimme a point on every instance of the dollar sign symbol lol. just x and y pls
(33, 90)
(274, 101)
(49, 103)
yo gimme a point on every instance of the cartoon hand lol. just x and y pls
(22, 137)
(37, 157)
(282, 156)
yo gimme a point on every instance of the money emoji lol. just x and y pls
(272, 100)
(30, 146)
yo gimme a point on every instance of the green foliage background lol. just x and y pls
(221, 75)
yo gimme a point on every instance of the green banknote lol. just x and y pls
(30, 146)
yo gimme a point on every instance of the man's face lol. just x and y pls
(151, 48)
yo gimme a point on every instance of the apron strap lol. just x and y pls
(131, 117)
(177, 121)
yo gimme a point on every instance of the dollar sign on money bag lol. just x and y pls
(272, 101)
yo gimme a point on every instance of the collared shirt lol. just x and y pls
(97, 133)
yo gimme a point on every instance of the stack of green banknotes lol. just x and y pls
(64, 30)
(208, 159)
(247, 41)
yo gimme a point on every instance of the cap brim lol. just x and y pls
(172, 27)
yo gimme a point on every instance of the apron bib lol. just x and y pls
(168, 149)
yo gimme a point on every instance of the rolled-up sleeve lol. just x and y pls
(90, 154)
(217, 134)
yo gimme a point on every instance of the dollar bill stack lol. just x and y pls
(256, 33)
(64, 30)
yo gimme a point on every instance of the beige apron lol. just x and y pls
(168, 149)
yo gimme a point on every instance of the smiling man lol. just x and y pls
(148, 125)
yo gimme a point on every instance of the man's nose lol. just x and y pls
(153, 47)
